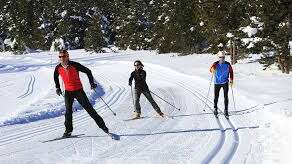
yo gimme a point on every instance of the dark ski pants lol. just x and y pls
(147, 94)
(83, 100)
(216, 97)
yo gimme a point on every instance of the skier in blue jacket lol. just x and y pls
(223, 73)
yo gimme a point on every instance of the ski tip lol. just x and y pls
(115, 136)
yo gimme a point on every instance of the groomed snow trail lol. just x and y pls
(187, 136)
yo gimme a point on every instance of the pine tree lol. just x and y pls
(94, 40)
(275, 36)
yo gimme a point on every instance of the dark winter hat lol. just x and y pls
(139, 62)
(63, 52)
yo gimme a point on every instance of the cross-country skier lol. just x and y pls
(222, 71)
(141, 87)
(69, 71)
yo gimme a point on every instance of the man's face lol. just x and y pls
(221, 59)
(63, 57)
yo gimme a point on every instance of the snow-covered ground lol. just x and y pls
(259, 130)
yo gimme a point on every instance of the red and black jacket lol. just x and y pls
(70, 75)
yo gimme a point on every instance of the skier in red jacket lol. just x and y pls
(69, 71)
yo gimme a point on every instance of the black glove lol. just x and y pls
(130, 84)
(93, 86)
(59, 91)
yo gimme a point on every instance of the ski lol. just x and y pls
(146, 117)
(131, 119)
(114, 136)
(61, 138)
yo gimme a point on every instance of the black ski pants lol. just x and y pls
(149, 97)
(84, 102)
(216, 97)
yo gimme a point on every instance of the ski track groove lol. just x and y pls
(83, 118)
(211, 155)
(117, 85)
(222, 137)
(126, 153)
(30, 87)
(219, 145)
(235, 142)
(26, 136)
(113, 99)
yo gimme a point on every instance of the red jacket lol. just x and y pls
(70, 75)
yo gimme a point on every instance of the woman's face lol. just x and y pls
(137, 65)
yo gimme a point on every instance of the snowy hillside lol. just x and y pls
(259, 129)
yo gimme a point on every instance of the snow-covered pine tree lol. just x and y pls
(275, 37)
(94, 37)
(23, 26)
(132, 24)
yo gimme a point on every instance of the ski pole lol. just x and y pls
(108, 106)
(208, 92)
(165, 100)
(233, 98)
(132, 96)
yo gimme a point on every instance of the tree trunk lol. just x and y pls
(233, 53)
(283, 61)
(290, 25)
(290, 20)
(2, 46)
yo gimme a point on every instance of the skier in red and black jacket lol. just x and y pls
(69, 71)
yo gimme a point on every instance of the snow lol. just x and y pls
(250, 31)
(167, 19)
(10, 43)
(32, 113)
(250, 41)
(229, 35)
(64, 13)
(220, 45)
(290, 46)
(256, 20)
(58, 44)
(76, 17)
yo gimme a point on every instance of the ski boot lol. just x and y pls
(137, 115)
(216, 113)
(67, 134)
(161, 114)
(226, 114)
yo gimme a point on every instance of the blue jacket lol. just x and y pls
(222, 72)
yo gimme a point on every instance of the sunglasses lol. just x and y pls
(63, 56)
(136, 65)
(221, 57)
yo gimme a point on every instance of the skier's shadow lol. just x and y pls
(162, 133)
(187, 131)
(190, 115)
